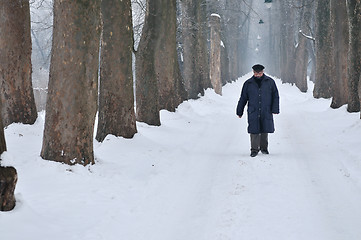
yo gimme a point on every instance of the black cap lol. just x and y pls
(258, 68)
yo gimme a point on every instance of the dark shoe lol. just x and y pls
(254, 153)
(264, 151)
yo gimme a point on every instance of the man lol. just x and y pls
(261, 94)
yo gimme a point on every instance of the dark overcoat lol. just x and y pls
(263, 102)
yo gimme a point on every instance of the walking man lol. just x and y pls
(261, 94)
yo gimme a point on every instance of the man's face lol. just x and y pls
(258, 74)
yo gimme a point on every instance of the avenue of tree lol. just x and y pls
(93, 43)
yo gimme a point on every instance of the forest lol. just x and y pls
(108, 64)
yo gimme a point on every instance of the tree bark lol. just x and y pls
(116, 99)
(301, 64)
(287, 40)
(147, 100)
(340, 38)
(302, 55)
(324, 52)
(159, 84)
(170, 81)
(72, 97)
(195, 57)
(354, 55)
(215, 55)
(2, 137)
(8, 179)
(17, 97)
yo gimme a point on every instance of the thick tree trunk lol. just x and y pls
(17, 97)
(116, 99)
(324, 52)
(340, 38)
(147, 100)
(72, 97)
(354, 58)
(8, 179)
(195, 57)
(170, 81)
(159, 83)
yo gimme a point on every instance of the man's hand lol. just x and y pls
(239, 116)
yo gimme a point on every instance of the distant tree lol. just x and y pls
(287, 40)
(231, 24)
(340, 39)
(116, 99)
(72, 97)
(354, 58)
(159, 84)
(234, 24)
(324, 52)
(195, 52)
(17, 97)
(215, 53)
(301, 54)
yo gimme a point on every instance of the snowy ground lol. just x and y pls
(193, 179)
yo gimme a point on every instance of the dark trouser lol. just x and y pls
(259, 141)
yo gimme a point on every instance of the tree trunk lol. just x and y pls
(301, 64)
(274, 58)
(195, 57)
(340, 38)
(116, 99)
(158, 79)
(2, 137)
(8, 179)
(72, 97)
(231, 34)
(324, 52)
(302, 50)
(147, 100)
(287, 40)
(354, 58)
(170, 81)
(215, 55)
(17, 97)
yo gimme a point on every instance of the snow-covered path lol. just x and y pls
(193, 179)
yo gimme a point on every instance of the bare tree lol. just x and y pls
(72, 98)
(116, 99)
(17, 95)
